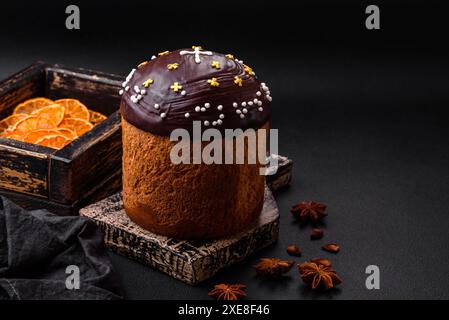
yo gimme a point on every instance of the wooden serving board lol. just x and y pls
(190, 261)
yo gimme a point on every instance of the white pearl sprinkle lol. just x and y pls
(255, 100)
(250, 103)
(238, 111)
(243, 104)
(136, 89)
(197, 109)
(219, 121)
(268, 93)
(130, 75)
(120, 92)
(241, 61)
(126, 88)
(153, 57)
(260, 109)
(263, 84)
(214, 123)
(156, 106)
(245, 110)
(220, 107)
(221, 116)
(203, 109)
(183, 93)
(163, 115)
(124, 83)
(242, 116)
(259, 103)
(207, 104)
(143, 92)
(269, 98)
(187, 115)
(206, 123)
(139, 97)
(235, 104)
(265, 89)
(258, 93)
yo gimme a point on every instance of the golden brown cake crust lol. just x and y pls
(186, 200)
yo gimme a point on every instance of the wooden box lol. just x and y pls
(87, 169)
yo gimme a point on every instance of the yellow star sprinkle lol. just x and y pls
(148, 83)
(142, 64)
(172, 66)
(229, 56)
(248, 70)
(163, 53)
(215, 64)
(213, 82)
(197, 47)
(176, 87)
(238, 81)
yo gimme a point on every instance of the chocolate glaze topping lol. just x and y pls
(159, 109)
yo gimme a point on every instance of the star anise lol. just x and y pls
(318, 276)
(309, 210)
(273, 267)
(228, 291)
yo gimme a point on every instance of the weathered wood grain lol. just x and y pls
(78, 169)
(23, 167)
(23, 170)
(30, 202)
(96, 156)
(186, 260)
(21, 86)
(283, 174)
(73, 174)
(95, 89)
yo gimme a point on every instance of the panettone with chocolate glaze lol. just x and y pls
(169, 92)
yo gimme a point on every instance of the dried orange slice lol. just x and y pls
(10, 121)
(54, 112)
(69, 134)
(53, 141)
(34, 122)
(31, 105)
(15, 135)
(34, 136)
(79, 126)
(74, 109)
(96, 117)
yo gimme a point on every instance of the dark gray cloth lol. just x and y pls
(36, 247)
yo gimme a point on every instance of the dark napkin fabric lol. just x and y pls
(37, 246)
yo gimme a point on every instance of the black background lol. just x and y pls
(362, 113)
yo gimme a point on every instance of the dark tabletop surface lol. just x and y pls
(364, 118)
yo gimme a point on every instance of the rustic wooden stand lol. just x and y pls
(187, 260)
